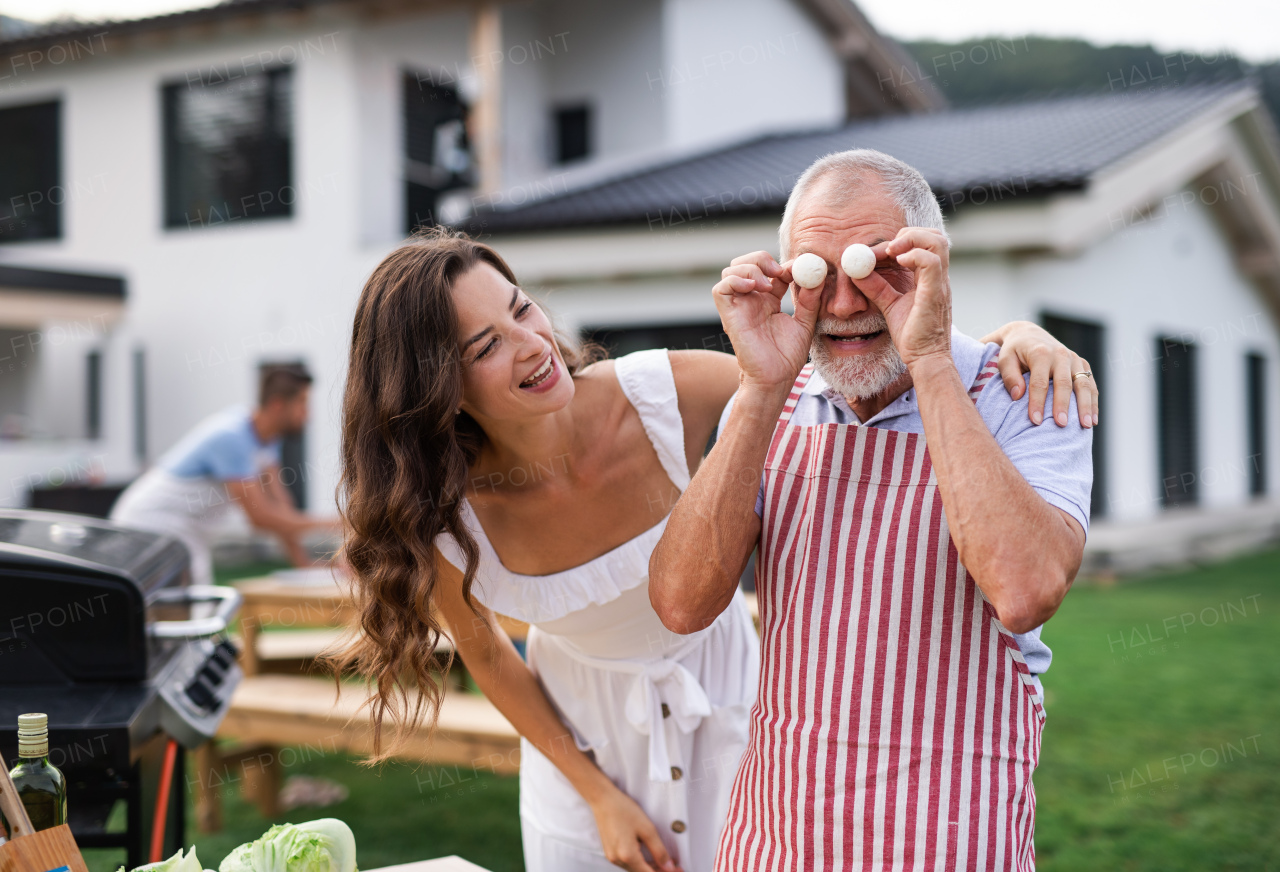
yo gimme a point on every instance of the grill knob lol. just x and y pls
(201, 694)
(225, 654)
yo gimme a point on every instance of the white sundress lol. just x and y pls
(665, 715)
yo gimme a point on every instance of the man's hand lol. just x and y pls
(917, 308)
(771, 346)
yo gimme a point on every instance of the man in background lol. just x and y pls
(230, 457)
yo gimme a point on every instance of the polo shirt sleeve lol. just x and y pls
(1056, 461)
(724, 419)
(229, 456)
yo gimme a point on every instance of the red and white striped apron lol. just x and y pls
(897, 725)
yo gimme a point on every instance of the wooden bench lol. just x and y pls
(270, 712)
(274, 717)
(283, 628)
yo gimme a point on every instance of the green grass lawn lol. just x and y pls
(1160, 750)
(1175, 678)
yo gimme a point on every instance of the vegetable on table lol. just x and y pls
(324, 845)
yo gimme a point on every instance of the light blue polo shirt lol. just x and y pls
(1056, 461)
(222, 447)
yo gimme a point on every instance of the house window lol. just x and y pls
(1179, 467)
(573, 133)
(1256, 402)
(227, 150)
(31, 196)
(293, 450)
(1087, 339)
(437, 153)
(93, 395)
(140, 404)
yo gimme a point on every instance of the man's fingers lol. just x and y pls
(746, 279)
(920, 259)
(807, 303)
(924, 238)
(881, 294)
(760, 259)
(1011, 372)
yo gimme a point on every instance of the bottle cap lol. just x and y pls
(33, 735)
(32, 723)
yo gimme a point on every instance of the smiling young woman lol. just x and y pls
(490, 465)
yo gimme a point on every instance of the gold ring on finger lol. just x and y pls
(1085, 374)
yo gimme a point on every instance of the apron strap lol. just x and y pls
(985, 375)
(802, 379)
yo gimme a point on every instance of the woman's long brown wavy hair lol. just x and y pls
(405, 455)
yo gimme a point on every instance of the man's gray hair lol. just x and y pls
(902, 182)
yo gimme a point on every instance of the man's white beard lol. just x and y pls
(858, 377)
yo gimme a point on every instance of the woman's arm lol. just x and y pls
(1027, 347)
(705, 380)
(498, 669)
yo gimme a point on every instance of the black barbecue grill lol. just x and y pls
(101, 629)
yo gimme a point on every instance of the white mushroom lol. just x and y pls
(809, 270)
(858, 261)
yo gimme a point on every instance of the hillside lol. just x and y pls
(1002, 70)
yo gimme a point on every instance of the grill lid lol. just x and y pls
(60, 539)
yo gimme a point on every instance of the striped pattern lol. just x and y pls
(896, 725)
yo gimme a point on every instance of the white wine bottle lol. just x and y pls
(39, 783)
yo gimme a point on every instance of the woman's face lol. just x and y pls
(511, 366)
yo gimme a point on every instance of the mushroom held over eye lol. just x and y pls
(858, 261)
(809, 270)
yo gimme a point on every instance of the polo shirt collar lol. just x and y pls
(966, 352)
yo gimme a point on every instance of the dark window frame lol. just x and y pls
(1256, 422)
(1088, 338)
(572, 128)
(31, 209)
(293, 451)
(432, 114)
(1177, 420)
(93, 394)
(265, 189)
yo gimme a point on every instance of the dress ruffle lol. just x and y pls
(648, 383)
(536, 599)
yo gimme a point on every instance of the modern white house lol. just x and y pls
(186, 197)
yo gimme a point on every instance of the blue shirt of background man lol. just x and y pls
(222, 447)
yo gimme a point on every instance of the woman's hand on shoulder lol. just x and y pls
(1028, 347)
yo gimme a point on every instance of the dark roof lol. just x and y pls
(61, 282)
(29, 36)
(1006, 150)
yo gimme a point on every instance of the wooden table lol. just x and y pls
(272, 603)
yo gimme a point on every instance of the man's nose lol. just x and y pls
(844, 300)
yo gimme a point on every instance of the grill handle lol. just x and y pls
(228, 599)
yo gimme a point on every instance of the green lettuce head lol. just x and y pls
(176, 863)
(325, 845)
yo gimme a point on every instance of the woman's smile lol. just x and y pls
(544, 377)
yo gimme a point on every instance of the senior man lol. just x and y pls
(915, 530)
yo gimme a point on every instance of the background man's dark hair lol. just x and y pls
(284, 380)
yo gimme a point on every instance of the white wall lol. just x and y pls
(209, 303)
(1172, 276)
(736, 68)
